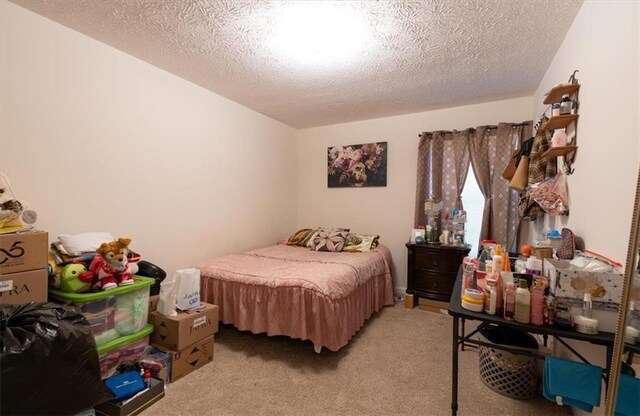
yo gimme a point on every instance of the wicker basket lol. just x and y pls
(509, 374)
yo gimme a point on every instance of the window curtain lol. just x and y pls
(490, 149)
(443, 163)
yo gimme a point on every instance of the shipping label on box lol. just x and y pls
(190, 358)
(570, 284)
(21, 252)
(23, 287)
(186, 328)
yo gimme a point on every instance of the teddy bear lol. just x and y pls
(111, 267)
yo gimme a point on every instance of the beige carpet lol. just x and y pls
(398, 364)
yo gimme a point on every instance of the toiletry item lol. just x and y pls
(549, 307)
(490, 297)
(488, 266)
(562, 317)
(473, 300)
(586, 325)
(555, 109)
(534, 266)
(574, 107)
(507, 262)
(498, 260)
(480, 280)
(559, 138)
(523, 302)
(509, 301)
(428, 234)
(565, 105)
(537, 302)
(631, 335)
(587, 305)
(521, 264)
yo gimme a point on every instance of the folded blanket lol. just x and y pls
(360, 243)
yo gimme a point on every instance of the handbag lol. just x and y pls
(510, 170)
(567, 249)
(520, 179)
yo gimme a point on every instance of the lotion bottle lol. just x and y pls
(523, 302)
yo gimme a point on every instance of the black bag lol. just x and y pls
(48, 361)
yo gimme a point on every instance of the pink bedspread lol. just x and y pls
(297, 292)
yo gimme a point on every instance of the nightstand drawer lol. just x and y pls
(437, 261)
(433, 282)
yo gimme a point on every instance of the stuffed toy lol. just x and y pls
(12, 211)
(75, 278)
(111, 266)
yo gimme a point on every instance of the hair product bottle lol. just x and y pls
(509, 301)
(537, 302)
(498, 260)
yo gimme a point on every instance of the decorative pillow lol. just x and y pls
(330, 240)
(312, 236)
(300, 237)
(360, 243)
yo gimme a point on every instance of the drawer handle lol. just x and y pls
(435, 262)
(435, 284)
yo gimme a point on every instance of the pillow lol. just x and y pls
(330, 240)
(78, 244)
(300, 237)
(360, 243)
(312, 236)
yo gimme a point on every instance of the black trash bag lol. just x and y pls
(48, 361)
(147, 269)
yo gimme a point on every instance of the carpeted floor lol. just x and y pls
(398, 364)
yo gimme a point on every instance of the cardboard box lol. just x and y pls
(20, 252)
(23, 287)
(187, 328)
(569, 285)
(135, 405)
(191, 358)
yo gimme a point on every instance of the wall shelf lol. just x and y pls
(558, 151)
(555, 94)
(559, 122)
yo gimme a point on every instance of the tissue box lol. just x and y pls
(570, 284)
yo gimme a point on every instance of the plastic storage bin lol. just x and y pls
(127, 348)
(112, 313)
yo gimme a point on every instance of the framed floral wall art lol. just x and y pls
(357, 165)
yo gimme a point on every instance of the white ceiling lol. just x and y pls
(423, 54)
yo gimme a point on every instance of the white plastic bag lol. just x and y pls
(188, 288)
(168, 296)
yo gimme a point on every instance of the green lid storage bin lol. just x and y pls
(121, 350)
(112, 313)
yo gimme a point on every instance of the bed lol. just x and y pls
(288, 290)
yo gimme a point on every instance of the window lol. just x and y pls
(473, 203)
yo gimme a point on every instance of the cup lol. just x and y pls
(445, 237)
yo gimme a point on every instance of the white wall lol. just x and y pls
(95, 139)
(387, 211)
(603, 43)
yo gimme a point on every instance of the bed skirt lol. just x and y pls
(298, 312)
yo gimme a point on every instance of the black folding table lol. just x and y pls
(560, 334)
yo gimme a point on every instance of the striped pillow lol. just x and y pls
(330, 240)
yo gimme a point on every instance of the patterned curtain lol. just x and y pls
(443, 163)
(490, 148)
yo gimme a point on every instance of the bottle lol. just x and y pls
(509, 301)
(587, 306)
(490, 297)
(537, 302)
(555, 109)
(507, 262)
(488, 266)
(559, 138)
(523, 302)
(534, 266)
(498, 260)
(549, 307)
(565, 105)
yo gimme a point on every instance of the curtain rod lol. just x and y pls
(491, 127)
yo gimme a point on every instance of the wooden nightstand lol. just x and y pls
(432, 270)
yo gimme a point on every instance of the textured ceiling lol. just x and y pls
(418, 56)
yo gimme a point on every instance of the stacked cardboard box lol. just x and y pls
(186, 337)
(23, 267)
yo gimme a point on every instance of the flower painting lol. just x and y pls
(357, 165)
